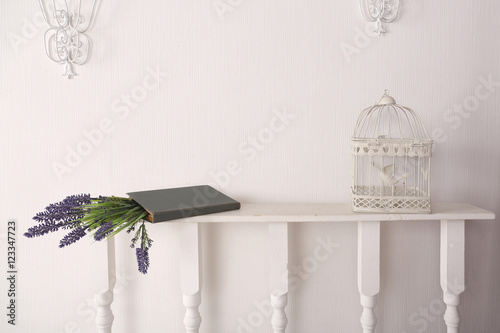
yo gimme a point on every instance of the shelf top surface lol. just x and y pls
(337, 212)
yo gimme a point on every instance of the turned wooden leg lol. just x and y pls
(279, 320)
(104, 316)
(368, 272)
(452, 269)
(191, 275)
(278, 274)
(192, 318)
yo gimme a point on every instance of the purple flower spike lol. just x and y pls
(42, 229)
(73, 236)
(70, 204)
(142, 259)
(66, 213)
(77, 200)
(103, 231)
(103, 216)
(43, 216)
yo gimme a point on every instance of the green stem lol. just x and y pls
(128, 224)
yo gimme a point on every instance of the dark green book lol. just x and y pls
(177, 203)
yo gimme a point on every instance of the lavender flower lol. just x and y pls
(131, 228)
(68, 210)
(78, 200)
(142, 259)
(103, 231)
(71, 224)
(42, 229)
(134, 240)
(73, 236)
(65, 214)
(102, 216)
(70, 204)
(43, 216)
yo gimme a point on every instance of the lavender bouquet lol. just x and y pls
(102, 217)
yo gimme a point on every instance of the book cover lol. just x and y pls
(176, 203)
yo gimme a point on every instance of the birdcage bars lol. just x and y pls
(391, 152)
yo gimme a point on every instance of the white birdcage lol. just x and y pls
(391, 155)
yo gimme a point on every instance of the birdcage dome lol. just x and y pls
(387, 128)
(391, 152)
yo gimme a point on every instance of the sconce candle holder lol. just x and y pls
(379, 11)
(66, 42)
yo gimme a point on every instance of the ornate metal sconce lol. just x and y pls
(379, 11)
(66, 42)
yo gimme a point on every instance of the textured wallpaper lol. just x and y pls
(259, 100)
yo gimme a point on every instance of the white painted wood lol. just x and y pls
(278, 274)
(192, 318)
(452, 269)
(279, 320)
(452, 218)
(104, 316)
(368, 317)
(368, 271)
(303, 56)
(336, 212)
(190, 274)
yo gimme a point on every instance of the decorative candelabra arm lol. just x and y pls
(65, 41)
(379, 11)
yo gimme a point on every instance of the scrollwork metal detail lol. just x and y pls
(66, 42)
(379, 11)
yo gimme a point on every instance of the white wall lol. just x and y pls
(225, 79)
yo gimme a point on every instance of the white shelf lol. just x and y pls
(335, 212)
(452, 217)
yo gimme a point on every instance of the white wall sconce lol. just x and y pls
(379, 11)
(65, 41)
